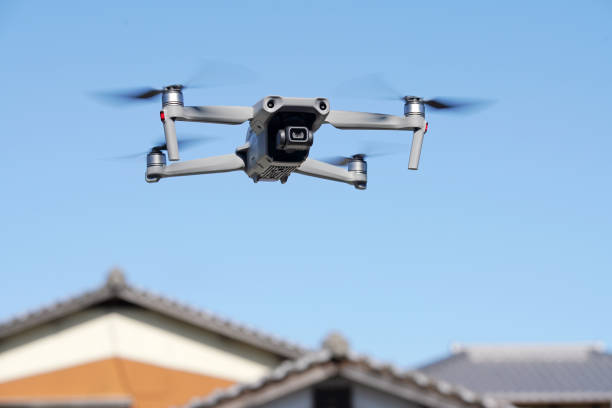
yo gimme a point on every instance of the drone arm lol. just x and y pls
(364, 120)
(229, 115)
(316, 168)
(216, 164)
(370, 121)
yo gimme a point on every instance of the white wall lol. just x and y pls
(131, 333)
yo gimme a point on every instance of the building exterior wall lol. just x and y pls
(124, 350)
(362, 397)
(300, 399)
(134, 334)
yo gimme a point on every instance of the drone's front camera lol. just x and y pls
(322, 106)
(270, 103)
(294, 138)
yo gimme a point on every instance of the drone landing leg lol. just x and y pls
(171, 141)
(216, 164)
(415, 150)
(315, 168)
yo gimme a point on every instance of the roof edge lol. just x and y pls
(597, 346)
(116, 288)
(557, 397)
(409, 385)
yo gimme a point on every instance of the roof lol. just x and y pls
(335, 360)
(530, 373)
(117, 289)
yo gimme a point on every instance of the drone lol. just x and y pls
(279, 137)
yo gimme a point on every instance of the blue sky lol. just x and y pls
(503, 235)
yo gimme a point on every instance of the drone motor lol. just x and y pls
(172, 95)
(414, 106)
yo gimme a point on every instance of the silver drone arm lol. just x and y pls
(230, 115)
(370, 121)
(216, 164)
(316, 168)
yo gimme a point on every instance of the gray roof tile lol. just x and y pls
(530, 374)
(384, 372)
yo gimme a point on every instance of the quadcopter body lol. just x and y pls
(280, 134)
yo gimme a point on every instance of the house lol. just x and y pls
(334, 377)
(119, 346)
(534, 376)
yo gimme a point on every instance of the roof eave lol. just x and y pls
(323, 364)
(117, 289)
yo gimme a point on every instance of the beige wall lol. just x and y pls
(135, 334)
(125, 351)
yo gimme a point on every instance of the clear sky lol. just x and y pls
(503, 235)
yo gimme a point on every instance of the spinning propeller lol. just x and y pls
(210, 74)
(160, 144)
(344, 160)
(446, 103)
(143, 93)
(370, 152)
(376, 87)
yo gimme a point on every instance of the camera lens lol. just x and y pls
(323, 105)
(270, 104)
(298, 134)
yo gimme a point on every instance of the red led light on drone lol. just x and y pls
(162, 116)
(426, 126)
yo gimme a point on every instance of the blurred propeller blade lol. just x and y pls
(371, 86)
(211, 73)
(374, 86)
(143, 93)
(219, 73)
(160, 144)
(371, 149)
(129, 156)
(131, 95)
(337, 160)
(455, 104)
(185, 142)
